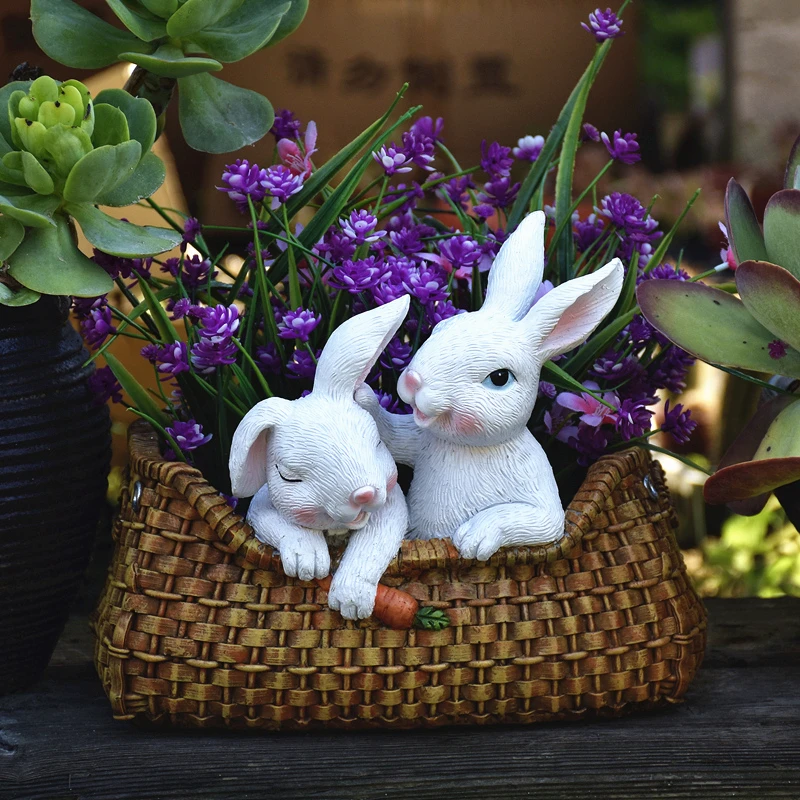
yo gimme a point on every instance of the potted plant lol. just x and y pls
(65, 154)
(393, 214)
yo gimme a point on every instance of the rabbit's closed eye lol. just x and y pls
(499, 379)
(291, 479)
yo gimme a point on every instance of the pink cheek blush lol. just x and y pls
(391, 483)
(467, 424)
(306, 516)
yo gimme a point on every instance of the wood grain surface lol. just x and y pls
(736, 736)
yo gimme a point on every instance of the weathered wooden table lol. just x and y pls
(737, 735)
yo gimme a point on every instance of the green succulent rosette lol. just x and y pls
(183, 42)
(61, 155)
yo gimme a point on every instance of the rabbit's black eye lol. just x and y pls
(499, 379)
(288, 480)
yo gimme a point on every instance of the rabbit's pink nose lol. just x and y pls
(412, 381)
(362, 496)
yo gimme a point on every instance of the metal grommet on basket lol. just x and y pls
(651, 490)
(136, 499)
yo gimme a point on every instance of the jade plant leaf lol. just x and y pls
(36, 176)
(242, 32)
(775, 463)
(146, 179)
(120, 238)
(11, 169)
(170, 62)
(66, 147)
(32, 210)
(744, 232)
(21, 297)
(744, 447)
(48, 261)
(138, 112)
(791, 175)
(77, 38)
(712, 325)
(111, 126)
(12, 233)
(218, 117)
(772, 295)
(195, 15)
(161, 8)
(102, 170)
(290, 21)
(144, 28)
(782, 230)
(5, 121)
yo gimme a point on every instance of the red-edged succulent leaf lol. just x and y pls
(775, 463)
(744, 447)
(772, 295)
(790, 177)
(782, 230)
(744, 232)
(712, 325)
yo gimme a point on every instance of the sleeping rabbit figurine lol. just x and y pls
(480, 477)
(318, 464)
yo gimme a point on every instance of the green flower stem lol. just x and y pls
(454, 161)
(259, 375)
(337, 305)
(172, 443)
(702, 275)
(210, 390)
(381, 193)
(683, 459)
(135, 303)
(126, 319)
(295, 295)
(661, 251)
(752, 379)
(261, 277)
(311, 352)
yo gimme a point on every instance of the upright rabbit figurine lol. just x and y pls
(480, 477)
(318, 464)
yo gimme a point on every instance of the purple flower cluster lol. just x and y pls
(104, 387)
(622, 147)
(280, 183)
(461, 253)
(286, 125)
(529, 148)
(118, 267)
(187, 435)
(636, 229)
(216, 346)
(678, 423)
(360, 227)
(357, 276)
(418, 147)
(496, 160)
(193, 272)
(298, 324)
(603, 25)
(243, 180)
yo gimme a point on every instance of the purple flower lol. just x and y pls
(391, 287)
(664, 272)
(426, 283)
(181, 308)
(622, 148)
(173, 359)
(118, 267)
(678, 423)
(150, 352)
(411, 193)
(396, 355)
(335, 246)
(603, 25)
(392, 159)
(218, 323)
(268, 358)
(208, 354)
(298, 324)
(615, 367)
(392, 404)
(188, 435)
(302, 365)
(671, 370)
(589, 133)
(356, 276)
(633, 418)
(428, 128)
(419, 149)
(280, 183)
(82, 307)
(590, 443)
(104, 386)
(457, 189)
(194, 272)
(409, 240)
(440, 310)
(360, 227)
(593, 412)
(640, 330)
(191, 229)
(243, 180)
(498, 193)
(528, 148)
(637, 228)
(547, 389)
(496, 160)
(587, 232)
(461, 254)
(776, 349)
(286, 125)
(97, 326)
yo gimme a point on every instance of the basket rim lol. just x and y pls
(236, 536)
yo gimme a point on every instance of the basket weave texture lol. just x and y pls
(198, 626)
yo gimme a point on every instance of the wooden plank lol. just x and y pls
(736, 736)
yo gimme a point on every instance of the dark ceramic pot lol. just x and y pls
(55, 447)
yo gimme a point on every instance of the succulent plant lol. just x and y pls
(163, 38)
(758, 332)
(62, 154)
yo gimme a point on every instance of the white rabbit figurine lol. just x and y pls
(318, 464)
(480, 477)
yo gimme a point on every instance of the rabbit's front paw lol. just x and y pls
(305, 556)
(353, 599)
(481, 536)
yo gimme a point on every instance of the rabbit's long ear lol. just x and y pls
(568, 314)
(354, 347)
(517, 271)
(248, 460)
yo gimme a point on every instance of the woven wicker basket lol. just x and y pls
(198, 625)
